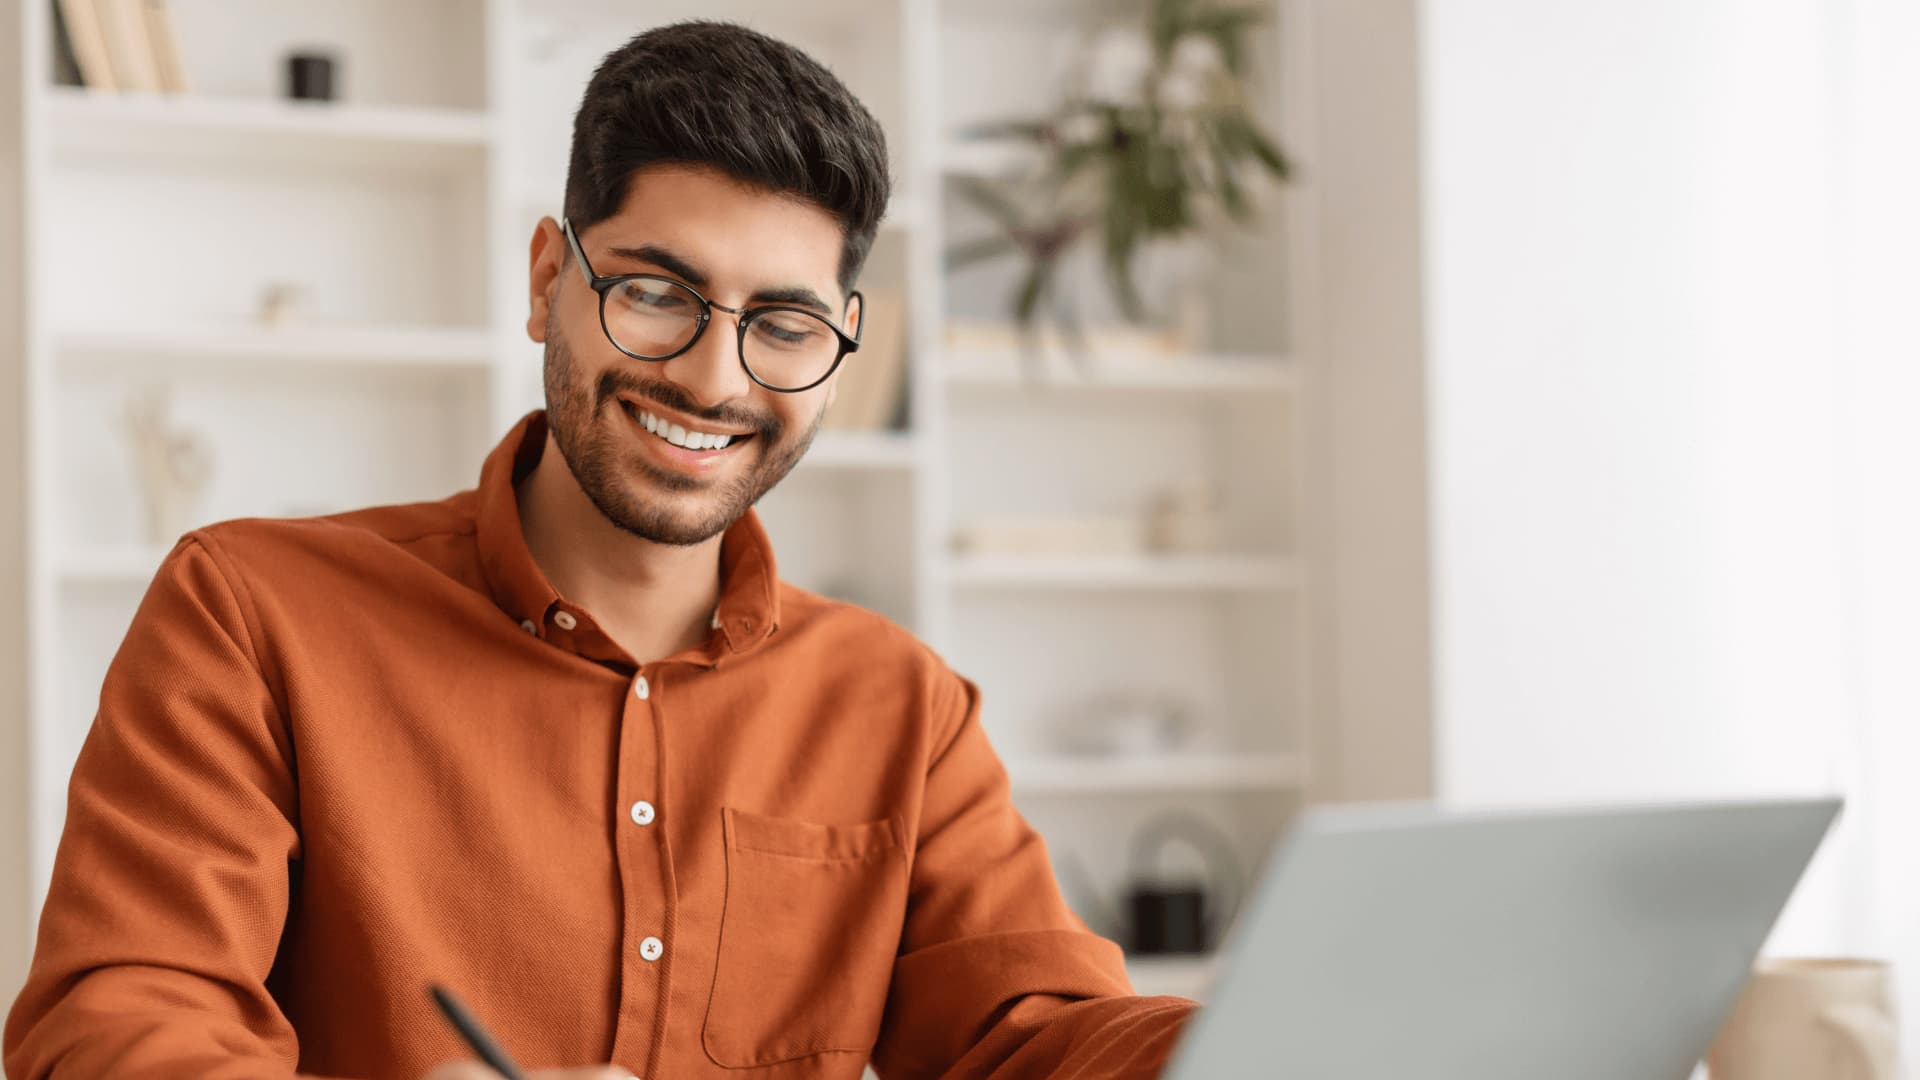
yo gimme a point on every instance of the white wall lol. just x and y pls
(1880, 276)
(1652, 509)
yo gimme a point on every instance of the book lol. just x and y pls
(66, 66)
(165, 45)
(872, 379)
(124, 25)
(82, 24)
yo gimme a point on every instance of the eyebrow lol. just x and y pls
(681, 267)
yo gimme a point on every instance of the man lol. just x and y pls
(565, 743)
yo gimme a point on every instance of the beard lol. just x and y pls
(633, 493)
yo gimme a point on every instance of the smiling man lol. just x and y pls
(565, 743)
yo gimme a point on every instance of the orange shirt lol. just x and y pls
(339, 759)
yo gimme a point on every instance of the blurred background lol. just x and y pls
(1498, 401)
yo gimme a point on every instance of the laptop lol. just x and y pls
(1400, 942)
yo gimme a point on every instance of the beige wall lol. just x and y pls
(15, 905)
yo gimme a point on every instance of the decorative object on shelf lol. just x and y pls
(1180, 914)
(1806, 1017)
(66, 62)
(124, 26)
(80, 22)
(872, 380)
(172, 466)
(165, 45)
(311, 76)
(117, 45)
(1063, 537)
(1184, 519)
(280, 303)
(1152, 143)
(1131, 723)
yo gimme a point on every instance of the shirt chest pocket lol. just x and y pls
(808, 935)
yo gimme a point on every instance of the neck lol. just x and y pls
(653, 599)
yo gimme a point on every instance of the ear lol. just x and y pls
(856, 312)
(545, 255)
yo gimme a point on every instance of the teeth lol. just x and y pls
(679, 436)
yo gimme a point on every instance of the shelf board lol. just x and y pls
(1181, 976)
(136, 128)
(533, 201)
(853, 451)
(1132, 572)
(1006, 369)
(277, 348)
(1059, 774)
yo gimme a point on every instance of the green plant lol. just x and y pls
(1153, 140)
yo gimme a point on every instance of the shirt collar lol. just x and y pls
(749, 607)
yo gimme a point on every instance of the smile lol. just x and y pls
(680, 436)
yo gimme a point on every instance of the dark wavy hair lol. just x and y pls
(730, 98)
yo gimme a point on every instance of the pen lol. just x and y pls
(476, 1036)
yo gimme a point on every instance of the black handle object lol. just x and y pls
(310, 77)
(483, 1045)
(1168, 920)
(1170, 917)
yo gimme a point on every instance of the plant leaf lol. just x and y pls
(985, 248)
(1026, 298)
(1030, 130)
(991, 199)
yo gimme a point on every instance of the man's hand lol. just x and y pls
(473, 1070)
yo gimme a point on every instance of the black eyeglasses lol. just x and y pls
(649, 317)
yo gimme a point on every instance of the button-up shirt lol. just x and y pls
(337, 760)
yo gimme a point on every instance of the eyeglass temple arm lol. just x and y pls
(579, 255)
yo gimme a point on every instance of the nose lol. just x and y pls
(711, 371)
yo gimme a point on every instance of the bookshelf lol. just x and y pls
(402, 213)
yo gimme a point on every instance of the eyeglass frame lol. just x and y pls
(601, 285)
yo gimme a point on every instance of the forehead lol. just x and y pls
(743, 237)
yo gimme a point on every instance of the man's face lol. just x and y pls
(731, 243)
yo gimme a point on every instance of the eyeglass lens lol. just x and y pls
(654, 317)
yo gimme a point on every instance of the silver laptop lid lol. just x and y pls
(1389, 942)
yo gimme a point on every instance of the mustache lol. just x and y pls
(615, 381)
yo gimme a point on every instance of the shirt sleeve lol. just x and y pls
(996, 977)
(170, 887)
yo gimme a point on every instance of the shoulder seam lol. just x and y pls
(237, 588)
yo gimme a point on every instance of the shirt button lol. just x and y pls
(642, 813)
(527, 625)
(565, 620)
(640, 689)
(650, 949)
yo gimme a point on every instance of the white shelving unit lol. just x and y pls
(1180, 573)
(138, 128)
(1179, 772)
(127, 351)
(403, 215)
(1208, 374)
